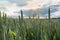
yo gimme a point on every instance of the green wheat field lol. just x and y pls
(29, 28)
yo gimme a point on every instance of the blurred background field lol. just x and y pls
(29, 28)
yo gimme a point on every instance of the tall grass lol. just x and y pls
(29, 29)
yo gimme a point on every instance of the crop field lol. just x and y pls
(29, 29)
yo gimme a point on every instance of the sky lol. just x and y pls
(30, 7)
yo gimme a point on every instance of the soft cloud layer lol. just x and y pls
(12, 7)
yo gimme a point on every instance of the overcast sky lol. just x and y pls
(13, 7)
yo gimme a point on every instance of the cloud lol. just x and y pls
(56, 14)
(3, 9)
(43, 12)
(55, 2)
(29, 4)
(19, 2)
(54, 8)
(12, 7)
